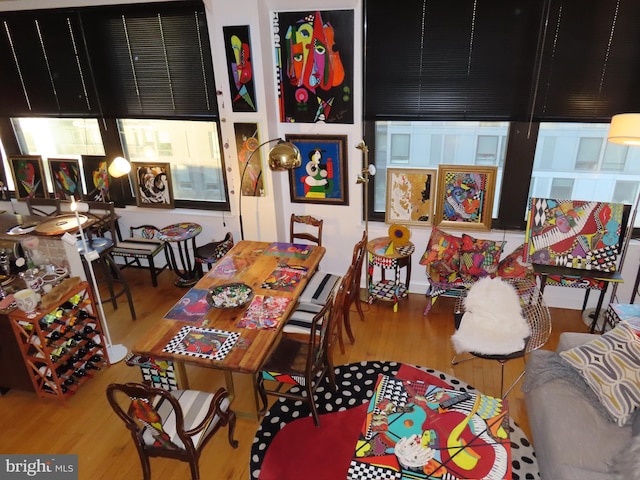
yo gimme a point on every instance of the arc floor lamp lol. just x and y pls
(283, 156)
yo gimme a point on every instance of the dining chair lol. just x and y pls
(303, 362)
(307, 228)
(142, 244)
(353, 295)
(43, 207)
(172, 424)
(210, 253)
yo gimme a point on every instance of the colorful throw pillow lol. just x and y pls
(609, 365)
(442, 253)
(514, 265)
(479, 258)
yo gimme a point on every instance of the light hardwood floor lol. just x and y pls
(85, 424)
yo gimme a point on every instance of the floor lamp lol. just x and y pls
(116, 353)
(283, 156)
(367, 171)
(625, 130)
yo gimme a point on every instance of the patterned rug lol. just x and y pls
(355, 384)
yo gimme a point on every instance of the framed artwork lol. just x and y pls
(96, 178)
(322, 177)
(153, 184)
(465, 196)
(28, 176)
(247, 142)
(65, 176)
(314, 65)
(410, 195)
(237, 44)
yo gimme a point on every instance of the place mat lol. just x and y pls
(293, 250)
(264, 312)
(192, 307)
(355, 386)
(202, 342)
(231, 266)
(285, 278)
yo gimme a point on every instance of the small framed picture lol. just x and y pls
(65, 176)
(153, 185)
(28, 176)
(410, 195)
(96, 178)
(465, 196)
(322, 177)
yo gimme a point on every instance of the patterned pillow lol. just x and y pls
(479, 258)
(514, 265)
(610, 366)
(442, 256)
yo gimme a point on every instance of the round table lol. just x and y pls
(180, 234)
(387, 256)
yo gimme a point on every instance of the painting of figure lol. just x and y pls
(28, 176)
(153, 185)
(314, 54)
(65, 175)
(96, 178)
(237, 44)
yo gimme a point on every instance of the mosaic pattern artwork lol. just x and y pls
(574, 233)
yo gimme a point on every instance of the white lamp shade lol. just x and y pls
(625, 129)
(119, 167)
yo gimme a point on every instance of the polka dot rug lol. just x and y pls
(355, 383)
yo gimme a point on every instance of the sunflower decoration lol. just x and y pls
(399, 234)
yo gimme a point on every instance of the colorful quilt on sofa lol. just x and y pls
(574, 233)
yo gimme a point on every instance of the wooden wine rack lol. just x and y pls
(63, 346)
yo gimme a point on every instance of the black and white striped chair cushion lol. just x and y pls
(319, 288)
(195, 405)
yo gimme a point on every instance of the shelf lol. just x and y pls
(63, 346)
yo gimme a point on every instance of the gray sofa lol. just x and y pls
(572, 437)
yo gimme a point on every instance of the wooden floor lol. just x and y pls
(85, 425)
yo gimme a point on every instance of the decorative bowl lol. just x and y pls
(230, 295)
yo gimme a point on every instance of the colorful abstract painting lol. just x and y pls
(28, 176)
(573, 233)
(314, 55)
(96, 178)
(237, 43)
(65, 175)
(410, 195)
(249, 159)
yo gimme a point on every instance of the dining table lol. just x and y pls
(253, 265)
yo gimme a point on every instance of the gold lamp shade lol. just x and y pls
(625, 129)
(284, 156)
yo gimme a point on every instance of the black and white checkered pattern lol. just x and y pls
(174, 346)
(366, 471)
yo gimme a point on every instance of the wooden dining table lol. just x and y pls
(251, 263)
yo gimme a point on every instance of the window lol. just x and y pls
(588, 153)
(190, 147)
(400, 148)
(56, 138)
(561, 188)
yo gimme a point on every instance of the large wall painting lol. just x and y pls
(314, 56)
(573, 233)
(237, 44)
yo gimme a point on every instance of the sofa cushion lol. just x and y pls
(609, 365)
(479, 258)
(442, 255)
(514, 265)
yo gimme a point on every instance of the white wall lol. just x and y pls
(267, 218)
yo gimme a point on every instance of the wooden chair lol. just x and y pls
(142, 246)
(176, 424)
(353, 295)
(296, 232)
(43, 207)
(304, 362)
(210, 253)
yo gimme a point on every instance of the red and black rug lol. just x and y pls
(288, 446)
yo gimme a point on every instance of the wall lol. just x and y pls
(267, 218)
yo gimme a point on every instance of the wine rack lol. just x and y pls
(63, 346)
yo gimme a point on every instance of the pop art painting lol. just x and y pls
(237, 44)
(314, 55)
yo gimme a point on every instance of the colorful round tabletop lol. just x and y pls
(179, 232)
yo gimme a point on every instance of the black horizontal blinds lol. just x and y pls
(589, 68)
(438, 59)
(152, 60)
(43, 65)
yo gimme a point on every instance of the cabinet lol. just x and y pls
(61, 347)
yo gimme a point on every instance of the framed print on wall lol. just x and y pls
(247, 143)
(65, 176)
(96, 178)
(410, 195)
(464, 196)
(322, 177)
(153, 184)
(28, 176)
(237, 44)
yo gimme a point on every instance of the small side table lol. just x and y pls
(180, 234)
(400, 256)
